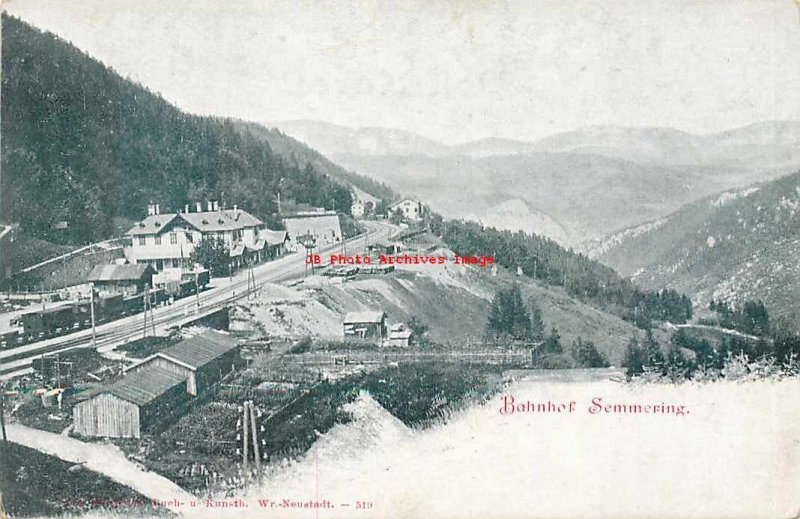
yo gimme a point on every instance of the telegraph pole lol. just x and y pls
(244, 434)
(255, 440)
(197, 290)
(94, 331)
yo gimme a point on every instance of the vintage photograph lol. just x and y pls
(445, 259)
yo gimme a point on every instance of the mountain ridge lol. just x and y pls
(732, 246)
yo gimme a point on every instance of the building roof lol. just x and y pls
(119, 272)
(400, 334)
(364, 317)
(200, 349)
(309, 214)
(153, 224)
(274, 237)
(257, 245)
(141, 387)
(204, 221)
(403, 201)
(222, 220)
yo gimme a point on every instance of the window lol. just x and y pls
(142, 240)
(173, 238)
(158, 240)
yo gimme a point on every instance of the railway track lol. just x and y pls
(17, 361)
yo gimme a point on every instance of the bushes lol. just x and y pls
(586, 355)
(420, 394)
(689, 358)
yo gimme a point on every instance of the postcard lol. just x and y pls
(451, 259)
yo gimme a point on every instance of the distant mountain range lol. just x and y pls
(738, 245)
(590, 182)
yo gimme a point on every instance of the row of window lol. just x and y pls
(173, 239)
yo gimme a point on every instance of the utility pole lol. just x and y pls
(197, 290)
(3, 414)
(148, 306)
(255, 440)
(94, 331)
(244, 435)
(251, 282)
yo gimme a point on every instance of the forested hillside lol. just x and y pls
(296, 152)
(81, 145)
(732, 247)
(552, 264)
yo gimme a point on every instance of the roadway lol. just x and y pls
(223, 292)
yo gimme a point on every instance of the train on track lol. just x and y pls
(63, 318)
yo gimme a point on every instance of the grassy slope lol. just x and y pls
(453, 302)
(37, 484)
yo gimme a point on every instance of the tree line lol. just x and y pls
(543, 259)
(512, 322)
(97, 147)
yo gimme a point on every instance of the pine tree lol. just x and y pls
(586, 355)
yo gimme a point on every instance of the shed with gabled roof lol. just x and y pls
(202, 360)
(137, 403)
(367, 326)
(122, 279)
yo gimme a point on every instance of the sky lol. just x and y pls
(451, 70)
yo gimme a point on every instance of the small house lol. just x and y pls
(365, 326)
(399, 336)
(410, 209)
(126, 280)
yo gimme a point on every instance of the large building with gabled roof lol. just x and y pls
(168, 240)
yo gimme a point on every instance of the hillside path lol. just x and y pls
(105, 459)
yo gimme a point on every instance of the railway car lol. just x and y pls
(47, 322)
(11, 339)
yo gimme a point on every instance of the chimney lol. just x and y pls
(199, 207)
(158, 209)
(186, 208)
(210, 205)
(216, 205)
(235, 207)
(151, 209)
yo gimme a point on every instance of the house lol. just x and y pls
(277, 242)
(202, 360)
(364, 204)
(399, 336)
(385, 247)
(323, 226)
(126, 280)
(365, 326)
(411, 210)
(157, 389)
(168, 240)
(133, 405)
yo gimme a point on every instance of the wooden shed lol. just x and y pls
(127, 280)
(365, 326)
(134, 404)
(201, 360)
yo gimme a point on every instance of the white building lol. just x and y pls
(322, 225)
(412, 210)
(363, 203)
(167, 240)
